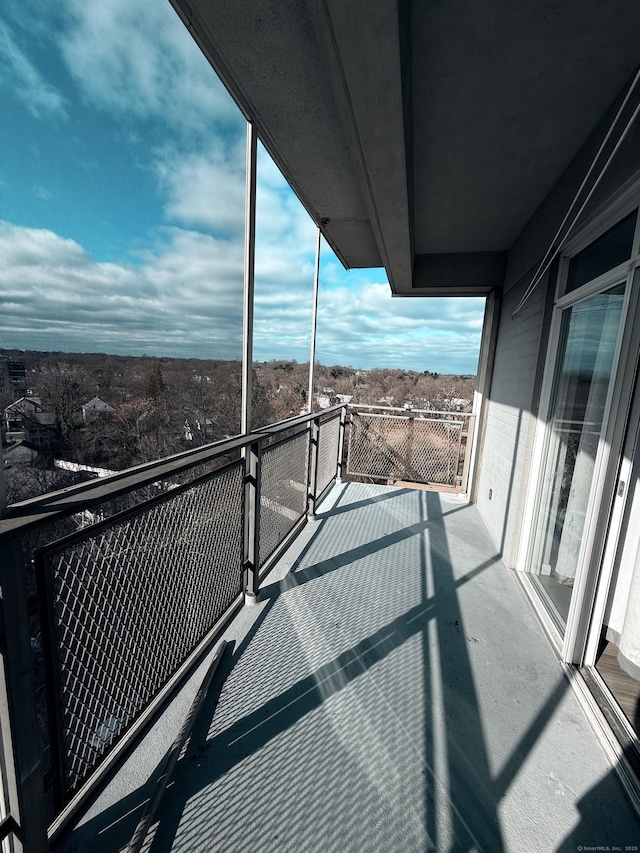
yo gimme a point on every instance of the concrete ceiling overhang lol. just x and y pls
(421, 136)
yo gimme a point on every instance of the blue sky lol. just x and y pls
(122, 202)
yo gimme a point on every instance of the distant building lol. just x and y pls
(323, 401)
(96, 408)
(20, 454)
(16, 412)
(13, 376)
(458, 403)
(24, 420)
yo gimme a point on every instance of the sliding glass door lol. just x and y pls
(584, 369)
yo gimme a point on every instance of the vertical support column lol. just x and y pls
(343, 426)
(3, 484)
(22, 781)
(252, 462)
(466, 464)
(483, 387)
(313, 470)
(251, 453)
(314, 323)
(249, 277)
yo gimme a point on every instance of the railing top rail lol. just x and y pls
(26, 515)
(410, 418)
(90, 531)
(413, 411)
(50, 507)
(301, 419)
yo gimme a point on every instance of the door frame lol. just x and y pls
(628, 424)
(598, 523)
(604, 516)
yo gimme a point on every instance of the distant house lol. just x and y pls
(20, 453)
(24, 420)
(15, 413)
(344, 398)
(41, 432)
(458, 403)
(96, 408)
(323, 401)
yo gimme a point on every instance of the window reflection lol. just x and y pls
(588, 344)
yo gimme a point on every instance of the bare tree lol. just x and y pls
(28, 481)
(63, 388)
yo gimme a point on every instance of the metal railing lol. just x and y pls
(100, 624)
(112, 589)
(417, 445)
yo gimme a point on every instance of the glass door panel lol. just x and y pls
(588, 339)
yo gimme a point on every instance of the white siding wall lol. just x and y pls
(510, 427)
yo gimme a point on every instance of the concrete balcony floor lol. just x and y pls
(392, 691)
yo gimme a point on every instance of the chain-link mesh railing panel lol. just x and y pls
(131, 600)
(328, 445)
(283, 491)
(417, 449)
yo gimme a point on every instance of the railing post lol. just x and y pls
(3, 484)
(22, 779)
(471, 420)
(343, 426)
(411, 440)
(313, 469)
(252, 463)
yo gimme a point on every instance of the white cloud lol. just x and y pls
(19, 73)
(362, 325)
(374, 329)
(41, 192)
(138, 59)
(205, 190)
(281, 220)
(183, 298)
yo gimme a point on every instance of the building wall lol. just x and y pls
(510, 426)
(5, 376)
(512, 408)
(539, 232)
(13, 379)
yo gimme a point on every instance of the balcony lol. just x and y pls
(387, 687)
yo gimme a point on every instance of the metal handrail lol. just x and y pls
(17, 608)
(26, 515)
(356, 406)
(300, 419)
(410, 418)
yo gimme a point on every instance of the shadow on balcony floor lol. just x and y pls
(394, 693)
